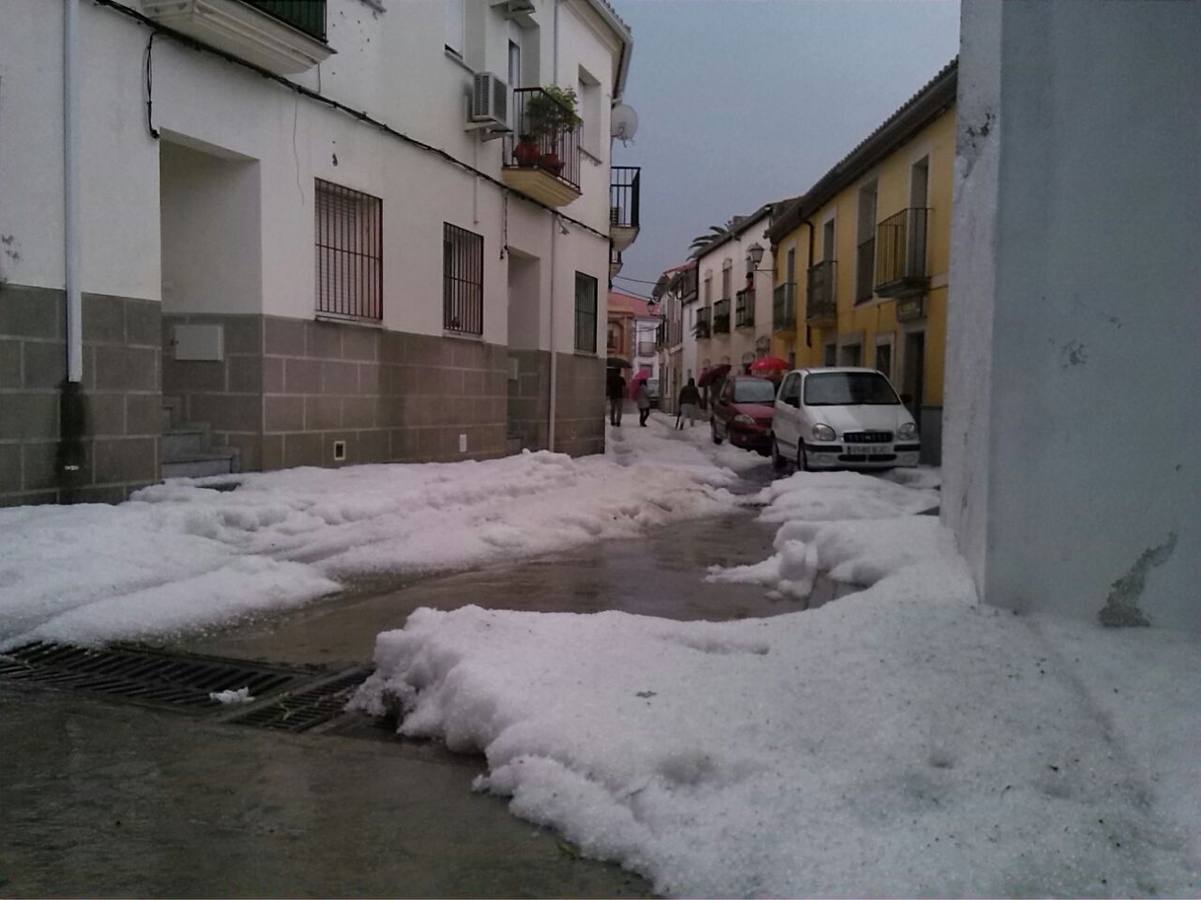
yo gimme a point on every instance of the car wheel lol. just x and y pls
(713, 431)
(778, 462)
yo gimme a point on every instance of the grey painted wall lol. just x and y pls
(1073, 482)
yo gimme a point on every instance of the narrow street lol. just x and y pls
(103, 798)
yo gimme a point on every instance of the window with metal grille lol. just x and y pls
(462, 280)
(585, 313)
(349, 252)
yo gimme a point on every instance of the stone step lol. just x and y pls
(201, 464)
(170, 412)
(184, 440)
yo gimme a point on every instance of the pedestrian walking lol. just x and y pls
(615, 388)
(690, 397)
(643, 398)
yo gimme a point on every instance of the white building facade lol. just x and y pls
(303, 225)
(733, 318)
(676, 288)
(1071, 425)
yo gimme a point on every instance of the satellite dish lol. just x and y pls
(624, 122)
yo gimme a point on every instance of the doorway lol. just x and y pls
(913, 384)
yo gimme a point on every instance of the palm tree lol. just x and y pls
(715, 234)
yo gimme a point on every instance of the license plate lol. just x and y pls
(869, 449)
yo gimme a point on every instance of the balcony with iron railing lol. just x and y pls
(685, 284)
(721, 317)
(901, 254)
(744, 308)
(307, 15)
(625, 184)
(282, 36)
(783, 307)
(702, 330)
(541, 160)
(821, 304)
(615, 262)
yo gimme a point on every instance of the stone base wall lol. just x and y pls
(580, 404)
(283, 393)
(288, 389)
(120, 389)
(529, 398)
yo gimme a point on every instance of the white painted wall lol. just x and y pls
(739, 341)
(118, 161)
(1085, 180)
(390, 64)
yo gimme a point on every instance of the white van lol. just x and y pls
(842, 418)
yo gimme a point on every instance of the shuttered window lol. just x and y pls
(462, 280)
(349, 252)
(585, 313)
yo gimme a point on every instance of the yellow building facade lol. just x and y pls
(862, 260)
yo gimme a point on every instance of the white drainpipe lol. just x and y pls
(71, 189)
(554, 360)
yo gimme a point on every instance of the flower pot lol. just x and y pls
(551, 163)
(526, 154)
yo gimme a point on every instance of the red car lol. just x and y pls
(742, 413)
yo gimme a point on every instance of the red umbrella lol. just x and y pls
(769, 365)
(711, 375)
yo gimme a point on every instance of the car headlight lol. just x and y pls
(823, 433)
(743, 419)
(907, 432)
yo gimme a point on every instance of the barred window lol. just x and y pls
(462, 280)
(585, 312)
(349, 252)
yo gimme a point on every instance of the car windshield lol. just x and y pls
(849, 389)
(754, 391)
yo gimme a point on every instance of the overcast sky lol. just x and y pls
(745, 101)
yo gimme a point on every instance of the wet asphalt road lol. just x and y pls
(105, 799)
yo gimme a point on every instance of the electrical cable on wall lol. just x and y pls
(362, 116)
(149, 69)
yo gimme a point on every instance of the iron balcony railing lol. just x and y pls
(701, 329)
(821, 304)
(304, 15)
(865, 264)
(661, 333)
(624, 190)
(721, 317)
(533, 144)
(901, 254)
(783, 307)
(744, 308)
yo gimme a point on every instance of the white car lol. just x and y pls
(842, 418)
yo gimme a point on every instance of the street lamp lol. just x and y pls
(754, 255)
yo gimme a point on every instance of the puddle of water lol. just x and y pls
(660, 574)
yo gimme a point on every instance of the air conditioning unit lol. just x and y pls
(489, 101)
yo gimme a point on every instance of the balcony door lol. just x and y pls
(919, 199)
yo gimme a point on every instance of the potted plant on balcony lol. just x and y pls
(550, 113)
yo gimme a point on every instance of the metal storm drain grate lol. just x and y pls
(304, 708)
(145, 676)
